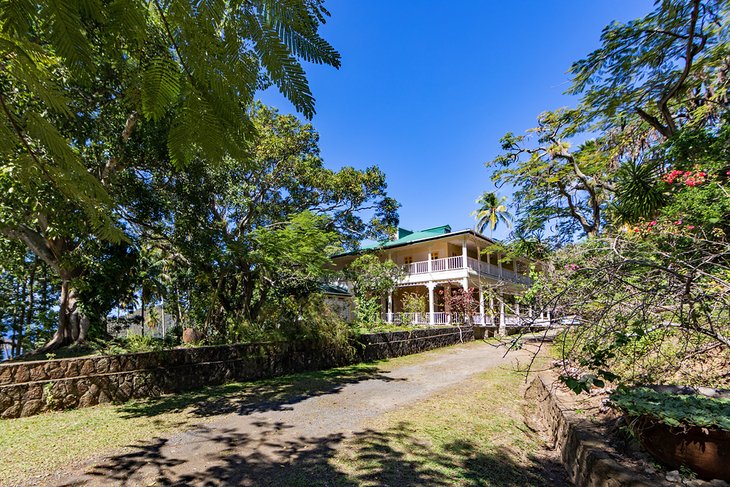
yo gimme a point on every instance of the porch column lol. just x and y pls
(481, 301)
(430, 257)
(390, 307)
(431, 305)
(517, 310)
(502, 324)
(463, 253)
(491, 306)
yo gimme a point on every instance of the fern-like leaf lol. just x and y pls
(160, 87)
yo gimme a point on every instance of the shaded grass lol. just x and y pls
(472, 434)
(46, 442)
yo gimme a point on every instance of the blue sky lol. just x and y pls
(427, 89)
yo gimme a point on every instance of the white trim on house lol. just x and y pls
(431, 261)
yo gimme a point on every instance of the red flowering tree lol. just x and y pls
(462, 303)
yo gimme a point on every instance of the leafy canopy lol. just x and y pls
(193, 66)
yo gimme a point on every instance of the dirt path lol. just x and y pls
(251, 446)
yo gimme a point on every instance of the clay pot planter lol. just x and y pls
(704, 450)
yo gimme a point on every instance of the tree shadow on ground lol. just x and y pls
(275, 394)
(395, 457)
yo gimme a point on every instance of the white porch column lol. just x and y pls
(491, 306)
(481, 301)
(502, 324)
(431, 305)
(390, 307)
(463, 253)
(430, 258)
(517, 308)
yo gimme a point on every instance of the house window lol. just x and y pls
(408, 260)
(434, 255)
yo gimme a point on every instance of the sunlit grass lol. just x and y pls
(472, 434)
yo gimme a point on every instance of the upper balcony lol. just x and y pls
(450, 266)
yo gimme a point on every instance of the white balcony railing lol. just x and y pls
(442, 318)
(457, 262)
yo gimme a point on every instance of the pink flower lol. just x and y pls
(690, 227)
(678, 222)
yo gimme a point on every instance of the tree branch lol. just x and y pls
(35, 242)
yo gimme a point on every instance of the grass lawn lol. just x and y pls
(46, 442)
(472, 434)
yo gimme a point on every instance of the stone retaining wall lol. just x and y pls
(582, 452)
(386, 345)
(28, 388)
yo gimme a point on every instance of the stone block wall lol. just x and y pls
(377, 346)
(28, 388)
(582, 452)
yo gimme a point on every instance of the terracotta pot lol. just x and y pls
(479, 332)
(191, 335)
(704, 450)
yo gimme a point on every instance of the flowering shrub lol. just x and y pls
(688, 178)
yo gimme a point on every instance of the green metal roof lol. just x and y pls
(404, 237)
(336, 290)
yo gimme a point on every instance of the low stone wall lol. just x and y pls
(28, 388)
(376, 346)
(582, 452)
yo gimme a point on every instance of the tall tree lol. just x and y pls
(668, 68)
(225, 220)
(649, 78)
(492, 211)
(89, 89)
(556, 186)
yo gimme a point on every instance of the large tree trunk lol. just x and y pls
(73, 325)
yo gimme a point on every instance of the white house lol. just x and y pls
(435, 260)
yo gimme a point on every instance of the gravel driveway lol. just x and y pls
(248, 447)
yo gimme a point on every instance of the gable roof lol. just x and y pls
(407, 236)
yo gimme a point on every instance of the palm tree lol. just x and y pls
(492, 211)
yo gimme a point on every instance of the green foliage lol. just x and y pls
(491, 212)
(371, 277)
(255, 234)
(638, 192)
(412, 303)
(556, 187)
(678, 410)
(367, 311)
(649, 286)
(139, 343)
(663, 68)
(48, 396)
(102, 103)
